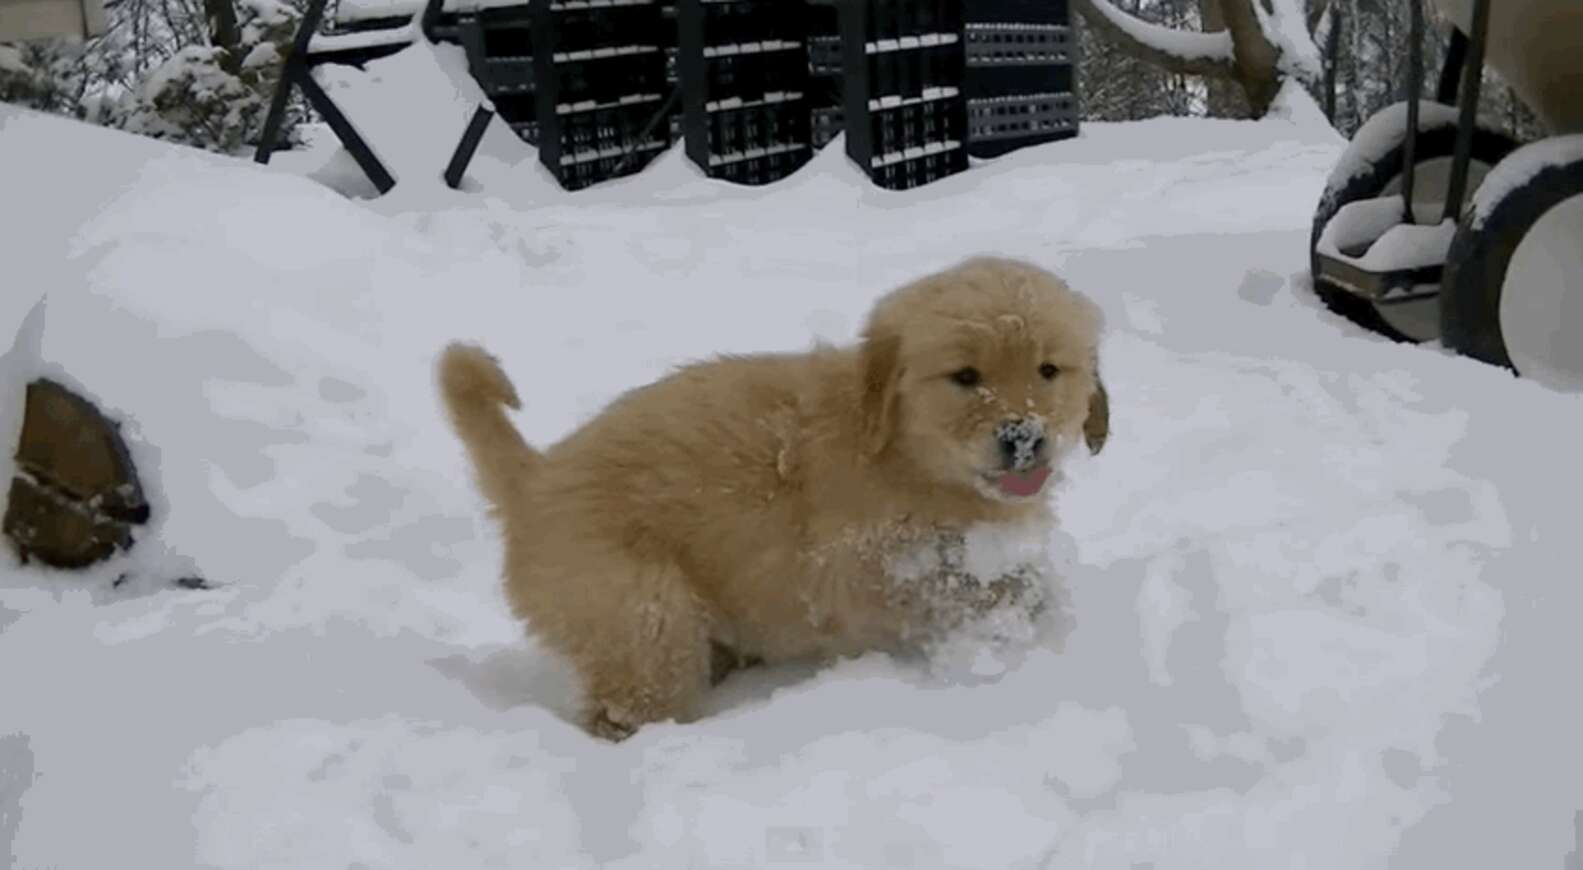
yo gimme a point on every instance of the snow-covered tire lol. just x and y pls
(1371, 166)
(1512, 294)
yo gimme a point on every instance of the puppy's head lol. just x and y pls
(983, 375)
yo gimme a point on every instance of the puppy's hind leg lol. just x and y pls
(649, 659)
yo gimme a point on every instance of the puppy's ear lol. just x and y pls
(1096, 428)
(881, 362)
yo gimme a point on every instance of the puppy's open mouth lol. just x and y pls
(1020, 484)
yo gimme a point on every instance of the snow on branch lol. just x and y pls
(1179, 51)
(1286, 27)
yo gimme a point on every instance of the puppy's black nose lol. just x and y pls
(1021, 442)
(1014, 448)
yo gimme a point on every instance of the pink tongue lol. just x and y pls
(1023, 483)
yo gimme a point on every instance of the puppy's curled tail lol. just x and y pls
(474, 388)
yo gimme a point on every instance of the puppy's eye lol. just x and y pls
(1049, 371)
(968, 377)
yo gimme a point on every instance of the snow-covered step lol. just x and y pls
(603, 153)
(761, 47)
(752, 153)
(593, 106)
(914, 153)
(929, 95)
(567, 5)
(602, 53)
(909, 43)
(326, 43)
(770, 99)
(997, 26)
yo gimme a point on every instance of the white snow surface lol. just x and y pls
(1323, 586)
(1294, 105)
(1519, 167)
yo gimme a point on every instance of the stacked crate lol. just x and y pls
(1021, 72)
(499, 46)
(673, 72)
(599, 67)
(825, 91)
(744, 65)
(906, 115)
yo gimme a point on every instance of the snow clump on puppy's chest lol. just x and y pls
(987, 591)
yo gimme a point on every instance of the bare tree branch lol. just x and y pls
(1179, 51)
(1316, 13)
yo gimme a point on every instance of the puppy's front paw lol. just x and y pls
(725, 661)
(601, 725)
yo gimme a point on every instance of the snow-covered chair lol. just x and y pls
(311, 48)
(1434, 226)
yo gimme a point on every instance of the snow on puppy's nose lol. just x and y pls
(1021, 442)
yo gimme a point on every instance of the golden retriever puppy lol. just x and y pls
(747, 507)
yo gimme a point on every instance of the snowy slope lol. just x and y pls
(1323, 612)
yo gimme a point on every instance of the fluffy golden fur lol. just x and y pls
(746, 507)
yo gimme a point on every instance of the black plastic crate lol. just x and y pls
(744, 70)
(827, 122)
(903, 64)
(601, 88)
(824, 55)
(499, 46)
(1020, 119)
(1021, 77)
(826, 90)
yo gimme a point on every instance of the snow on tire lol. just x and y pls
(1512, 294)
(1371, 166)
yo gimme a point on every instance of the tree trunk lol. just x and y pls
(1256, 67)
(1225, 97)
(224, 32)
(1332, 61)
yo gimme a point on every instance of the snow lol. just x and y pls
(1376, 224)
(351, 11)
(1521, 167)
(11, 61)
(322, 43)
(1410, 246)
(365, 10)
(1285, 24)
(1382, 132)
(1320, 613)
(17, 364)
(1186, 44)
(1295, 105)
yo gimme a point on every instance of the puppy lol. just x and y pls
(747, 507)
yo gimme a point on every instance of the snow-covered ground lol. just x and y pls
(1325, 587)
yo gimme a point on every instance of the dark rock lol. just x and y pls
(76, 495)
